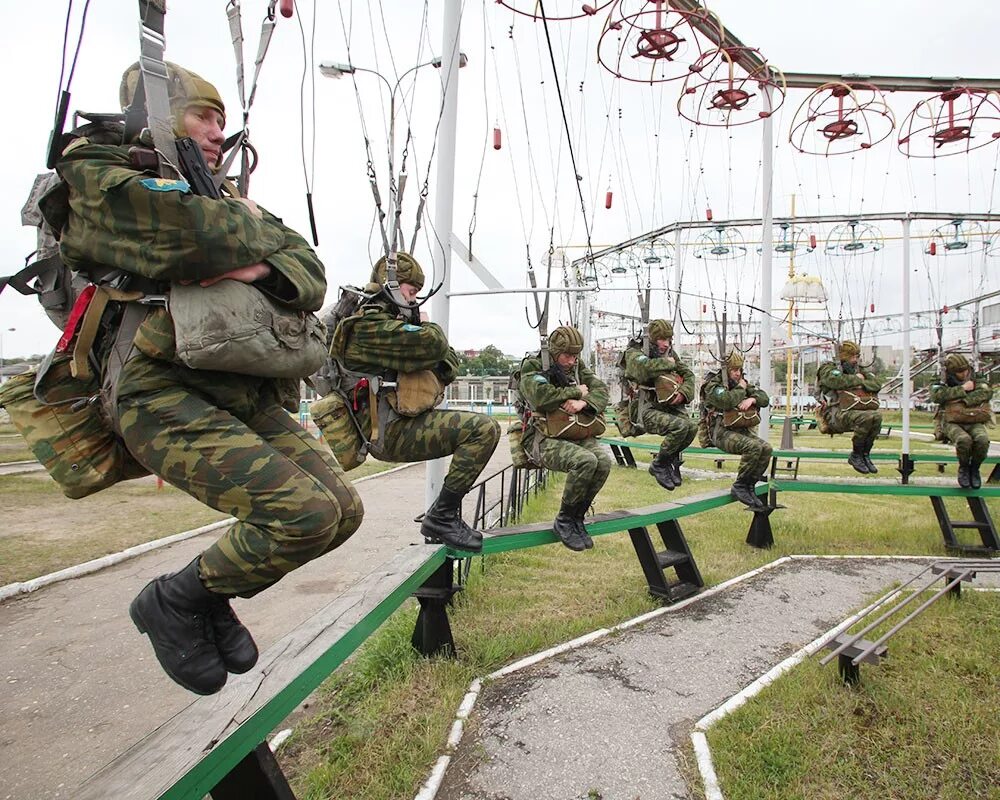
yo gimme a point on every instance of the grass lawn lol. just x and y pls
(378, 724)
(922, 725)
(44, 531)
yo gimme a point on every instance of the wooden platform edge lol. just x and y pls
(190, 753)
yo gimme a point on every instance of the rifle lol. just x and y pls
(192, 163)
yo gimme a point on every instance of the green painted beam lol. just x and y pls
(908, 490)
(218, 762)
(525, 536)
(805, 455)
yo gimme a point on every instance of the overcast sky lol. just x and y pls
(626, 136)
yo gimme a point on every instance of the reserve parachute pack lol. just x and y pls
(707, 414)
(339, 413)
(356, 407)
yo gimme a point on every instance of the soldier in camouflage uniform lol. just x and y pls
(835, 376)
(668, 418)
(383, 340)
(729, 390)
(224, 438)
(972, 441)
(571, 386)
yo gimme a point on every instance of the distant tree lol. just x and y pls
(490, 361)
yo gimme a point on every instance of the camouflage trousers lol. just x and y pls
(972, 442)
(586, 463)
(469, 438)
(289, 495)
(865, 424)
(755, 452)
(677, 428)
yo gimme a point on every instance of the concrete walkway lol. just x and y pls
(609, 719)
(80, 685)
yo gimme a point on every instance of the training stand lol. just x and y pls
(982, 521)
(677, 556)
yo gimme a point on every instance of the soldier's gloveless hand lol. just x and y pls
(584, 390)
(969, 385)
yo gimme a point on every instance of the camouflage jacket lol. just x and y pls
(832, 378)
(644, 369)
(942, 393)
(378, 340)
(719, 395)
(542, 395)
(134, 221)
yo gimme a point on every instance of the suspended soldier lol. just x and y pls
(393, 364)
(662, 386)
(565, 400)
(849, 402)
(220, 434)
(963, 411)
(731, 404)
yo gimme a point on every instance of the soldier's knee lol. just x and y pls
(492, 430)
(766, 450)
(585, 462)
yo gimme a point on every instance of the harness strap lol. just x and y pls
(122, 351)
(92, 313)
(154, 81)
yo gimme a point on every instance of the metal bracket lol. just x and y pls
(432, 634)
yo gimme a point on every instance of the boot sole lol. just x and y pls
(462, 547)
(141, 625)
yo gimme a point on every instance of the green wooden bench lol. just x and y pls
(982, 520)
(621, 449)
(217, 746)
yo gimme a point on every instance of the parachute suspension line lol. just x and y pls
(608, 98)
(486, 115)
(79, 43)
(536, 187)
(241, 145)
(569, 141)
(989, 210)
(446, 58)
(63, 92)
(370, 166)
(555, 157)
(526, 233)
(624, 167)
(308, 73)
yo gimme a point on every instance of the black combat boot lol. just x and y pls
(872, 469)
(975, 479)
(743, 491)
(236, 645)
(443, 523)
(663, 471)
(964, 475)
(568, 526)
(675, 465)
(175, 612)
(857, 460)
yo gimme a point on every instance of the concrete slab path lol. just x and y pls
(611, 718)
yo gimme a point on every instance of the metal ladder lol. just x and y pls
(981, 521)
(676, 556)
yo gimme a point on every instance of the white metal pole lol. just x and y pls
(767, 243)
(905, 397)
(445, 202)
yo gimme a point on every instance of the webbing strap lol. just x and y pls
(122, 351)
(153, 73)
(236, 33)
(36, 269)
(80, 365)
